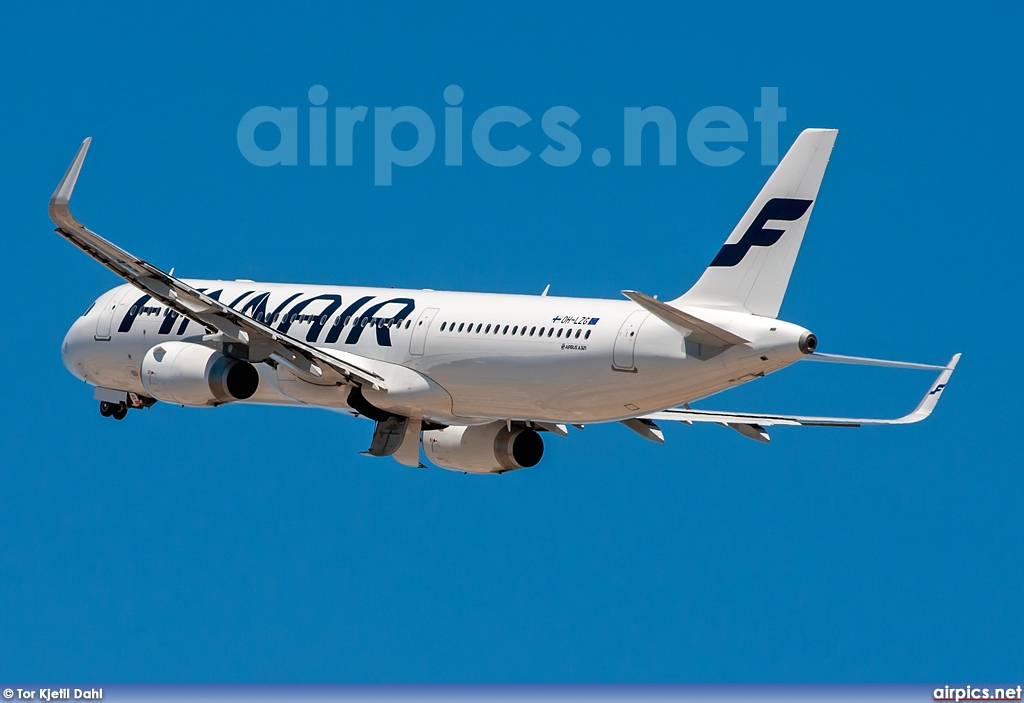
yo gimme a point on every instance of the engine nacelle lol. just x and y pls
(483, 449)
(192, 374)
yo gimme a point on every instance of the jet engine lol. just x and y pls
(484, 449)
(192, 374)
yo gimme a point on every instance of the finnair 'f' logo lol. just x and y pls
(938, 389)
(787, 209)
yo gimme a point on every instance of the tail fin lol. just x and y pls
(751, 272)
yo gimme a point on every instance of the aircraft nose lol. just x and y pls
(74, 348)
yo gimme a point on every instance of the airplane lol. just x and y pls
(474, 379)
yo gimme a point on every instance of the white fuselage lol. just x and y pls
(458, 357)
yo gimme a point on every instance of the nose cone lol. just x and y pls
(75, 347)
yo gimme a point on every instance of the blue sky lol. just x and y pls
(255, 544)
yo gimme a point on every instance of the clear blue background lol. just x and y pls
(255, 544)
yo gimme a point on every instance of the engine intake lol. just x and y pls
(484, 449)
(192, 374)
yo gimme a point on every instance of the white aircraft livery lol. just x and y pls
(473, 378)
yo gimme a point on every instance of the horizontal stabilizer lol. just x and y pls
(695, 329)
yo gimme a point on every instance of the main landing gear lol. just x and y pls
(118, 411)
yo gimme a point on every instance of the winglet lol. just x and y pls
(931, 398)
(215, 316)
(62, 196)
(752, 424)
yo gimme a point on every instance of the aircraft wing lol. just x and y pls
(224, 324)
(752, 424)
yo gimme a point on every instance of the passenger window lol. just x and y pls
(461, 325)
(578, 333)
(587, 335)
(505, 331)
(407, 323)
(551, 331)
(487, 330)
(559, 332)
(514, 329)
(532, 330)
(478, 328)
(522, 332)
(442, 326)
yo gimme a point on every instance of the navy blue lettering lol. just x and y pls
(133, 312)
(383, 330)
(317, 326)
(168, 323)
(335, 332)
(257, 307)
(786, 209)
(239, 298)
(279, 308)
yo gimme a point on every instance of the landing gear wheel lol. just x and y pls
(107, 409)
(121, 412)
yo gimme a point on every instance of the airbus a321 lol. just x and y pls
(476, 379)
